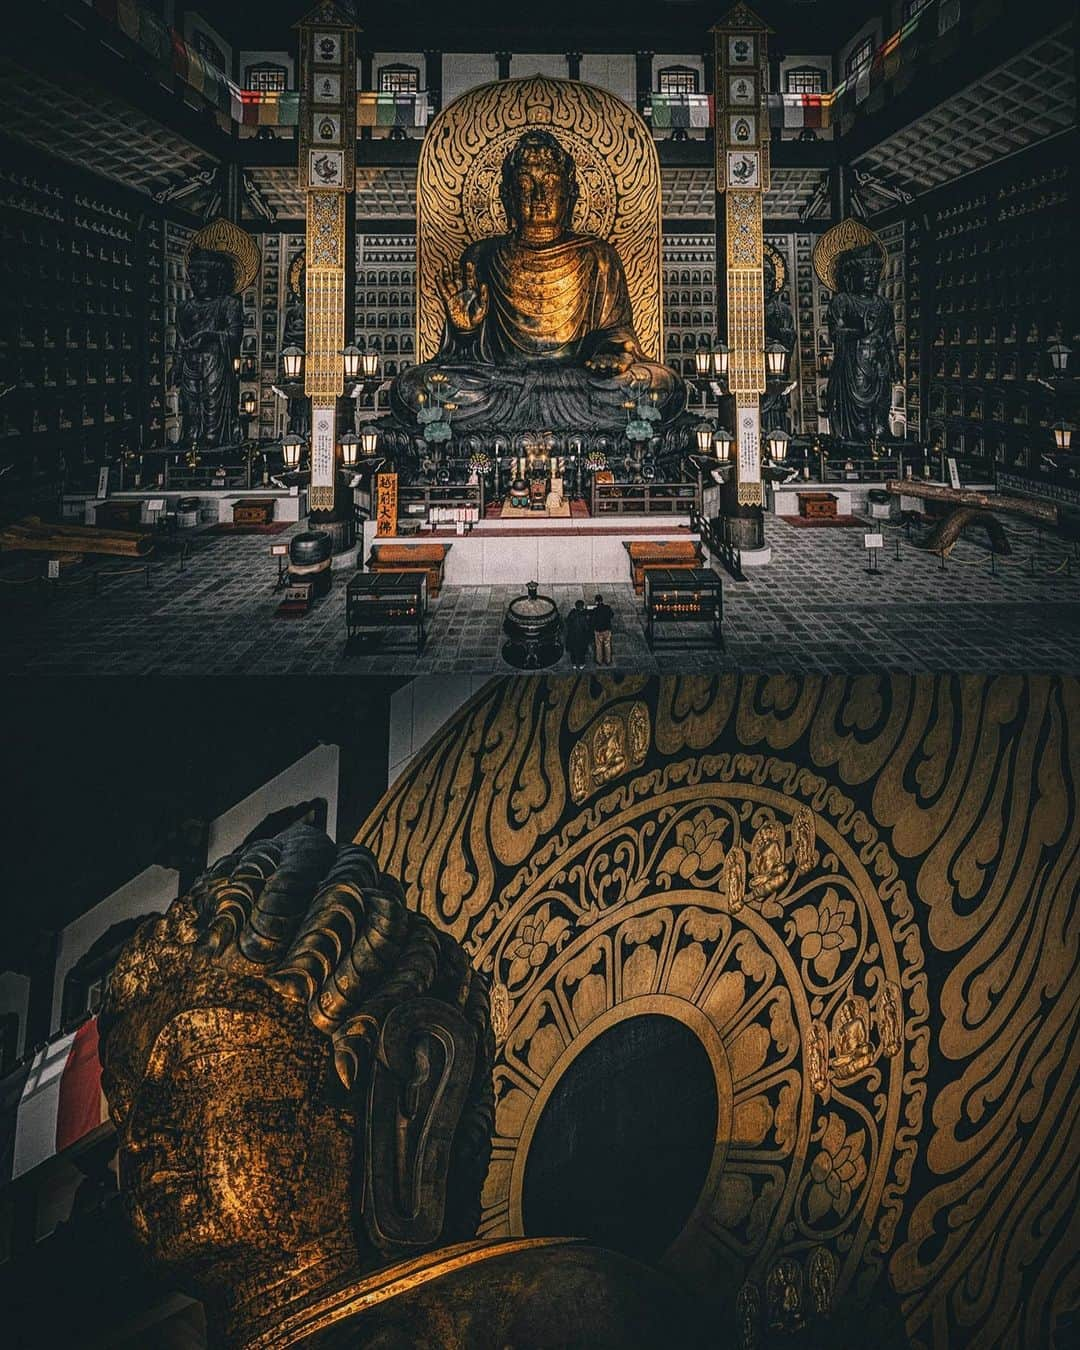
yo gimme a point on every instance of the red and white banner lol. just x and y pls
(61, 1100)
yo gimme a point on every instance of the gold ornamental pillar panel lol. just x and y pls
(327, 140)
(742, 178)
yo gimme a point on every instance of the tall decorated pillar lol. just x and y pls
(741, 143)
(327, 141)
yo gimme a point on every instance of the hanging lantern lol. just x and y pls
(247, 402)
(778, 444)
(236, 363)
(720, 359)
(369, 439)
(1059, 356)
(292, 362)
(776, 359)
(1063, 434)
(705, 437)
(350, 444)
(351, 359)
(291, 447)
(703, 362)
(369, 364)
(723, 442)
(824, 361)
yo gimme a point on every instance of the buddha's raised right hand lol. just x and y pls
(465, 299)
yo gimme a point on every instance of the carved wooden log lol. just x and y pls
(33, 535)
(947, 531)
(983, 501)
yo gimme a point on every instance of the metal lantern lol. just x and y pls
(1059, 356)
(350, 355)
(824, 361)
(292, 362)
(369, 439)
(776, 359)
(778, 444)
(703, 362)
(369, 364)
(350, 444)
(247, 402)
(705, 437)
(723, 442)
(1063, 434)
(236, 364)
(720, 359)
(291, 447)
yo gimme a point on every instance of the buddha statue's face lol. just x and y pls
(226, 1147)
(210, 275)
(541, 189)
(862, 272)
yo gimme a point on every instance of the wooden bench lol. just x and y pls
(675, 553)
(428, 558)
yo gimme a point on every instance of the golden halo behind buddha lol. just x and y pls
(222, 236)
(849, 234)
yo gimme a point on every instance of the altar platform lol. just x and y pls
(550, 550)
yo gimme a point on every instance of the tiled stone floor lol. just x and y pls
(813, 608)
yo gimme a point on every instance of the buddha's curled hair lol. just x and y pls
(323, 926)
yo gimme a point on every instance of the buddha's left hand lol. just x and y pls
(610, 362)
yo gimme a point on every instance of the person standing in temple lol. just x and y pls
(601, 627)
(578, 633)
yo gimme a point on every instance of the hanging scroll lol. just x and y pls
(323, 476)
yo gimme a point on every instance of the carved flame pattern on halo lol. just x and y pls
(457, 197)
(756, 869)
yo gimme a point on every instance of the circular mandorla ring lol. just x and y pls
(843, 238)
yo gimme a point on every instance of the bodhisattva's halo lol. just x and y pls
(849, 234)
(222, 236)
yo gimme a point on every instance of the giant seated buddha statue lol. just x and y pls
(539, 326)
(299, 1068)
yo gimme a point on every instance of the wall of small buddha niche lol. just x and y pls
(856, 894)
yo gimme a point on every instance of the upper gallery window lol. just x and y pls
(398, 79)
(860, 56)
(805, 80)
(266, 77)
(678, 80)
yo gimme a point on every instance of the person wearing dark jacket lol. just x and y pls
(578, 633)
(601, 627)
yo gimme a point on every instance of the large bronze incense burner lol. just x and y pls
(299, 1069)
